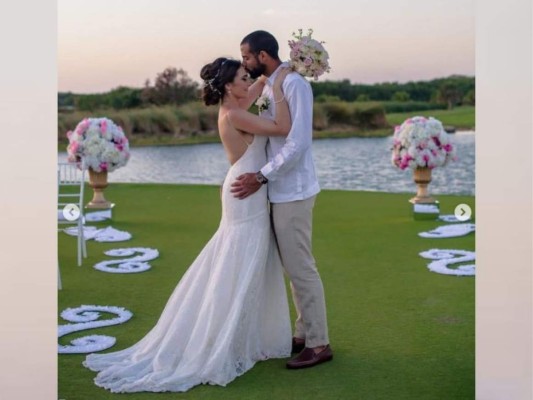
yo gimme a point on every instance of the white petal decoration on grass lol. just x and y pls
(108, 234)
(86, 317)
(97, 216)
(451, 218)
(444, 258)
(111, 234)
(89, 232)
(128, 265)
(448, 231)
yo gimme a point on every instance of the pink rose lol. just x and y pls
(83, 126)
(404, 162)
(73, 147)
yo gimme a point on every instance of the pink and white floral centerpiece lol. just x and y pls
(104, 147)
(102, 144)
(421, 142)
(308, 56)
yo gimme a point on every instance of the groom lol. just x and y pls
(292, 189)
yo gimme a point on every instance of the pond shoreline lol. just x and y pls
(344, 163)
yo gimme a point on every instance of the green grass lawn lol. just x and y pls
(460, 117)
(398, 331)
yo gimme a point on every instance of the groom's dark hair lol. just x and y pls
(262, 41)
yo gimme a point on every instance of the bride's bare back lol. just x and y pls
(237, 126)
(234, 141)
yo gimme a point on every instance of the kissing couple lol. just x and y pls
(230, 308)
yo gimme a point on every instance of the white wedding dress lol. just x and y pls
(229, 310)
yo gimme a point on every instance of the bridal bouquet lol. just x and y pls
(100, 142)
(421, 142)
(308, 57)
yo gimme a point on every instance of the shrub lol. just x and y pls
(326, 98)
(369, 117)
(163, 119)
(337, 112)
(400, 96)
(470, 98)
(320, 117)
(363, 116)
(409, 106)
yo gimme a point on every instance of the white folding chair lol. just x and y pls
(70, 188)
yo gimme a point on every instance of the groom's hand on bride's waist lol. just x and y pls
(245, 185)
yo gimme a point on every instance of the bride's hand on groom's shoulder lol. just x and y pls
(262, 79)
(282, 74)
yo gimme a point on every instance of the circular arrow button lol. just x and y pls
(71, 212)
(463, 212)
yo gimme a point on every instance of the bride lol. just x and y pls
(230, 308)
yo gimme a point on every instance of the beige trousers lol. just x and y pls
(292, 223)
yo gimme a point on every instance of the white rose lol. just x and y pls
(412, 164)
(412, 151)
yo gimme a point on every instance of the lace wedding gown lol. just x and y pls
(229, 310)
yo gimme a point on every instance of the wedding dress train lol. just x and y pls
(229, 310)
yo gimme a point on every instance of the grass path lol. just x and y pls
(398, 330)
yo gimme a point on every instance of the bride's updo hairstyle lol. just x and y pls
(215, 76)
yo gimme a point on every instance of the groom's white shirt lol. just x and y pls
(290, 170)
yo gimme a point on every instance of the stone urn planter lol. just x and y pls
(98, 181)
(422, 178)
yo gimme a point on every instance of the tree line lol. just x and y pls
(451, 91)
(175, 87)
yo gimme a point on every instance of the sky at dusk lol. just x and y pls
(103, 44)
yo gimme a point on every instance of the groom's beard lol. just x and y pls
(257, 71)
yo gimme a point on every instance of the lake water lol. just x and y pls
(343, 164)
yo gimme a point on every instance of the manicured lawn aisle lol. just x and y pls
(398, 330)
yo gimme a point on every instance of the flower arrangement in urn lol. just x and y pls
(308, 56)
(421, 144)
(104, 147)
(102, 144)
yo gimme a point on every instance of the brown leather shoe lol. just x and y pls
(297, 346)
(307, 358)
